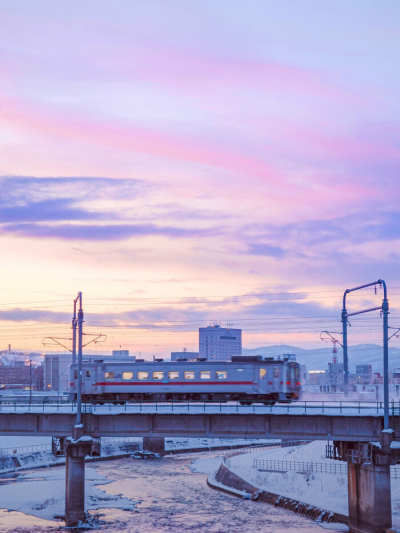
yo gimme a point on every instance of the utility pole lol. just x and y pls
(384, 308)
(385, 312)
(74, 333)
(80, 337)
(30, 381)
(345, 355)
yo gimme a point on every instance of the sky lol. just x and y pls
(191, 163)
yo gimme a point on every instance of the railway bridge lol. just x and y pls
(355, 430)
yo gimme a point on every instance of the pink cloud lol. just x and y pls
(28, 118)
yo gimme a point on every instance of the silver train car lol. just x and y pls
(247, 379)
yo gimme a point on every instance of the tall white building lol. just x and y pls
(219, 344)
(56, 371)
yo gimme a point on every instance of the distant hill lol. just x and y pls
(368, 354)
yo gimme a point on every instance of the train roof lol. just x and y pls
(242, 359)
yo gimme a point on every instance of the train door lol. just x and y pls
(277, 378)
(87, 380)
(292, 376)
(263, 382)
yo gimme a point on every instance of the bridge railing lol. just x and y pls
(296, 407)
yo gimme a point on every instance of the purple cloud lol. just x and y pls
(266, 250)
(104, 232)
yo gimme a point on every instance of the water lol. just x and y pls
(171, 498)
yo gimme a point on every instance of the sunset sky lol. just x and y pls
(189, 163)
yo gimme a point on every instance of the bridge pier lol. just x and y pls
(154, 444)
(77, 448)
(369, 491)
(369, 496)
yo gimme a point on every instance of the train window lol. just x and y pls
(173, 375)
(189, 375)
(127, 375)
(158, 375)
(75, 374)
(263, 372)
(143, 375)
(108, 375)
(88, 373)
(221, 374)
(240, 370)
(205, 374)
(276, 372)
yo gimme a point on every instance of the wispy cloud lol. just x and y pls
(103, 232)
(266, 250)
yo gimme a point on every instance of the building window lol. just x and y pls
(158, 375)
(127, 375)
(173, 375)
(189, 375)
(143, 375)
(221, 374)
(205, 374)
(108, 375)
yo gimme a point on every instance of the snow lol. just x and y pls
(84, 438)
(15, 442)
(207, 465)
(30, 456)
(44, 495)
(395, 445)
(187, 444)
(168, 495)
(334, 527)
(327, 491)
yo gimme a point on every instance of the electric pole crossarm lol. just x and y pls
(379, 282)
(365, 311)
(333, 338)
(55, 342)
(394, 334)
(99, 338)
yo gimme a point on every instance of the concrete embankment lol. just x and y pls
(227, 481)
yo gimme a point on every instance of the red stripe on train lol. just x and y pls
(176, 383)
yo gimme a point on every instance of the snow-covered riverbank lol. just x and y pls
(327, 491)
(170, 498)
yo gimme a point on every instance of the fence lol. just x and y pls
(19, 450)
(25, 449)
(262, 447)
(271, 465)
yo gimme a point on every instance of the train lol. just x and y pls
(246, 379)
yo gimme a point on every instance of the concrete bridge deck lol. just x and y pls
(360, 422)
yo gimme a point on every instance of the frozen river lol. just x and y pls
(172, 499)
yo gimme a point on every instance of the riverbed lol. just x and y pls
(167, 497)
